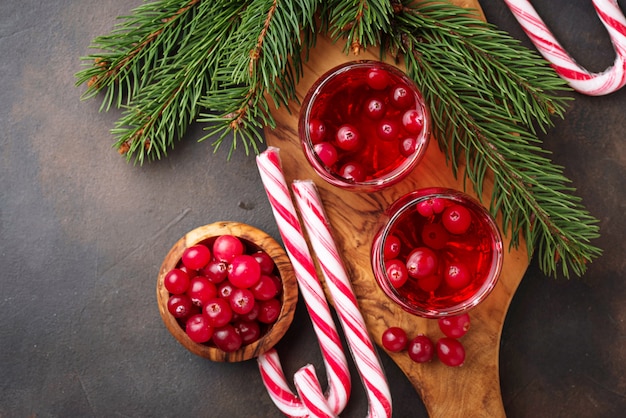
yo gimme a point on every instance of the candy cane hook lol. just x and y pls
(310, 403)
(581, 80)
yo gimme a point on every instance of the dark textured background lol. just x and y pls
(83, 234)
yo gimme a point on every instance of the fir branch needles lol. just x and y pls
(227, 63)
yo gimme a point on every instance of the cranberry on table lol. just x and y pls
(450, 351)
(394, 339)
(454, 326)
(421, 349)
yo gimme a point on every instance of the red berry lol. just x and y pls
(388, 130)
(413, 121)
(408, 146)
(269, 310)
(196, 256)
(317, 130)
(353, 171)
(327, 153)
(180, 306)
(241, 301)
(244, 271)
(176, 281)
(218, 312)
(450, 351)
(429, 207)
(265, 261)
(374, 108)
(248, 330)
(377, 79)
(201, 290)
(216, 271)
(227, 338)
(454, 326)
(434, 236)
(457, 219)
(457, 275)
(394, 339)
(252, 315)
(265, 288)
(430, 283)
(402, 97)
(392, 246)
(224, 289)
(421, 262)
(396, 273)
(348, 138)
(421, 349)
(227, 247)
(199, 329)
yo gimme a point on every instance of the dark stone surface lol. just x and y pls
(83, 234)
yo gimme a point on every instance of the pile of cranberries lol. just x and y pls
(421, 349)
(366, 123)
(225, 292)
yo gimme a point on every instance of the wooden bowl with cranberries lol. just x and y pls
(227, 291)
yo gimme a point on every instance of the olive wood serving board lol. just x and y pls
(472, 390)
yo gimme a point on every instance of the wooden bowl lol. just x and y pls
(288, 296)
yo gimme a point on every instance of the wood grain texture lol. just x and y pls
(472, 390)
(289, 295)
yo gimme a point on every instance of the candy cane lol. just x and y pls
(297, 249)
(581, 80)
(340, 288)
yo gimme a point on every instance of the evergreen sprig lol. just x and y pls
(230, 63)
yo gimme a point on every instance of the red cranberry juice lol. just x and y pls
(350, 99)
(473, 249)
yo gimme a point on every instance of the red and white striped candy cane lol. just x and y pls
(581, 80)
(346, 305)
(339, 383)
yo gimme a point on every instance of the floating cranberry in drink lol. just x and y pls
(364, 126)
(451, 248)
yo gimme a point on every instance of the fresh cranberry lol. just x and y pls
(421, 349)
(396, 273)
(401, 96)
(377, 79)
(201, 290)
(388, 130)
(392, 246)
(348, 137)
(269, 310)
(216, 271)
(374, 108)
(250, 331)
(218, 311)
(450, 351)
(317, 130)
(176, 281)
(227, 338)
(241, 301)
(180, 306)
(265, 288)
(199, 329)
(352, 171)
(191, 273)
(327, 153)
(434, 236)
(244, 271)
(227, 247)
(429, 207)
(196, 256)
(394, 339)
(413, 121)
(408, 146)
(265, 261)
(457, 275)
(224, 289)
(421, 262)
(252, 315)
(454, 326)
(457, 219)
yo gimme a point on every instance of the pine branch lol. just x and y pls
(492, 130)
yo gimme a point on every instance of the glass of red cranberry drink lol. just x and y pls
(364, 126)
(439, 253)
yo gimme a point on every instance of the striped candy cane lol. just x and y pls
(339, 383)
(346, 305)
(581, 80)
